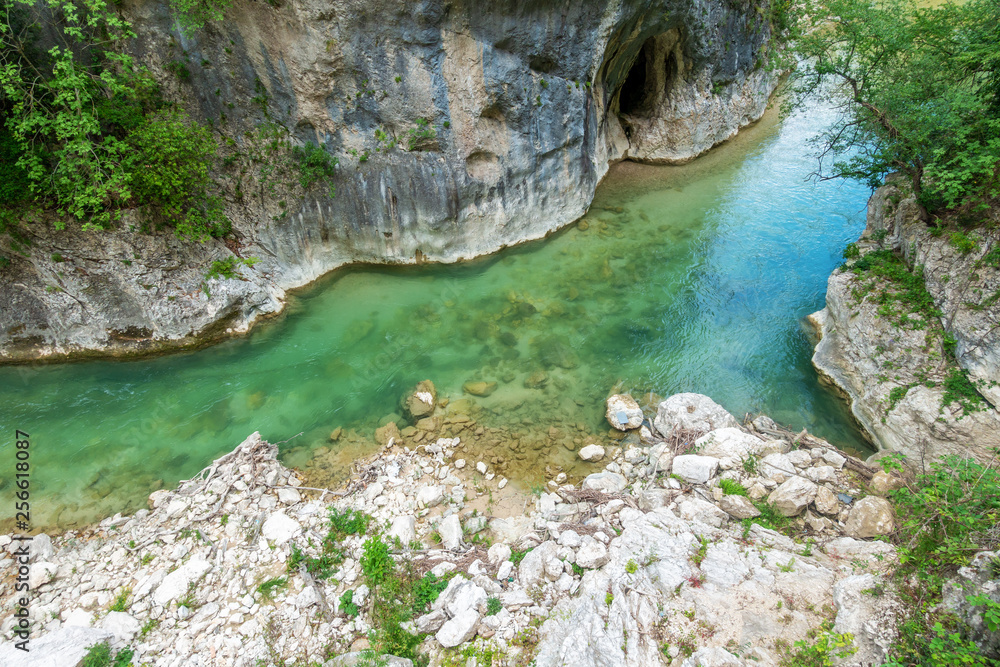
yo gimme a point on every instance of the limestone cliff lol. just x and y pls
(896, 377)
(460, 127)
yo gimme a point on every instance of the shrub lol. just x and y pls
(376, 562)
(314, 165)
(962, 243)
(226, 268)
(731, 487)
(347, 604)
(99, 655)
(493, 606)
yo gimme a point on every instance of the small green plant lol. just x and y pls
(577, 570)
(314, 165)
(376, 562)
(178, 69)
(787, 567)
(699, 556)
(959, 389)
(962, 243)
(146, 559)
(852, 251)
(347, 605)
(493, 606)
(750, 464)
(224, 519)
(100, 655)
(631, 566)
(122, 600)
(422, 137)
(149, 626)
(517, 555)
(896, 394)
(609, 598)
(426, 590)
(226, 268)
(770, 517)
(269, 588)
(825, 648)
(349, 522)
(731, 487)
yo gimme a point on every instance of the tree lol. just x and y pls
(918, 90)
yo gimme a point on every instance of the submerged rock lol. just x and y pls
(479, 388)
(421, 400)
(623, 412)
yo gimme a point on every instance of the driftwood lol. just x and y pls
(804, 440)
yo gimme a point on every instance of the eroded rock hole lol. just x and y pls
(636, 96)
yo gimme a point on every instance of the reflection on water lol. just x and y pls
(690, 278)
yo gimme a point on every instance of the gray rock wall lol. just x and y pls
(867, 356)
(530, 101)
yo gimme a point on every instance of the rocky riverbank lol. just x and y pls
(913, 341)
(459, 131)
(657, 556)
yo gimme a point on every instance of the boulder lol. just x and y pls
(591, 453)
(450, 530)
(882, 483)
(623, 412)
(826, 502)
(41, 573)
(870, 517)
(977, 578)
(591, 554)
(694, 468)
(464, 603)
(123, 626)
(872, 620)
(738, 507)
(605, 482)
(429, 496)
(41, 548)
(696, 509)
(176, 584)
(479, 388)
(388, 433)
(731, 442)
(793, 496)
(692, 412)
(64, 647)
(776, 465)
(539, 564)
(404, 528)
(421, 400)
(280, 528)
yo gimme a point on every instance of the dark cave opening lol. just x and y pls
(637, 91)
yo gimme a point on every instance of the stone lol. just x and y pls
(738, 507)
(821, 474)
(279, 528)
(775, 465)
(826, 502)
(662, 457)
(421, 400)
(694, 468)
(41, 548)
(793, 496)
(882, 483)
(536, 380)
(539, 564)
(870, 517)
(176, 583)
(464, 603)
(800, 458)
(696, 509)
(388, 433)
(41, 573)
(479, 388)
(834, 458)
(63, 647)
(693, 412)
(289, 496)
(975, 579)
(123, 626)
(605, 482)
(481, 468)
(592, 554)
(498, 553)
(872, 620)
(403, 528)
(450, 530)
(713, 656)
(729, 442)
(591, 453)
(429, 496)
(623, 412)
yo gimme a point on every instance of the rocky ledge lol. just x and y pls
(904, 372)
(654, 560)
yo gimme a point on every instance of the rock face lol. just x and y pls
(525, 105)
(898, 409)
(977, 578)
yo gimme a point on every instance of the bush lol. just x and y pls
(376, 562)
(731, 487)
(314, 165)
(226, 268)
(99, 655)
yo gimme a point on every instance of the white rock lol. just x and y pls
(481, 467)
(60, 648)
(289, 496)
(623, 412)
(539, 564)
(793, 496)
(696, 509)
(41, 548)
(773, 465)
(429, 496)
(404, 528)
(821, 474)
(498, 553)
(870, 517)
(464, 602)
(738, 507)
(503, 572)
(459, 464)
(123, 626)
(280, 528)
(695, 469)
(78, 618)
(731, 442)
(592, 554)
(41, 573)
(450, 530)
(176, 583)
(800, 458)
(605, 482)
(591, 453)
(826, 502)
(692, 412)
(835, 459)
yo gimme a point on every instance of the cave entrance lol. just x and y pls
(637, 94)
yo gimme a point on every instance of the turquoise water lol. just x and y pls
(691, 278)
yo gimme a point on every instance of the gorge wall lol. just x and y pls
(460, 128)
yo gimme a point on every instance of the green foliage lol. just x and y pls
(15, 187)
(122, 600)
(939, 644)
(750, 464)
(314, 165)
(194, 14)
(347, 604)
(631, 566)
(99, 655)
(426, 590)
(269, 588)
(824, 650)
(769, 517)
(896, 394)
(731, 487)
(898, 290)
(962, 243)
(226, 268)
(376, 562)
(699, 556)
(948, 516)
(321, 566)
(918, 86)
(493, 606)
(421, 137)
(348, 522)
(958, 388)
(517, 555)
(852, 251)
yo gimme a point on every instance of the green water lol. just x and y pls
(690, 278)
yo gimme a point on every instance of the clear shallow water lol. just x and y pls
(690, 278)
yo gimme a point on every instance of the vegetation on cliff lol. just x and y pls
(919, 90)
